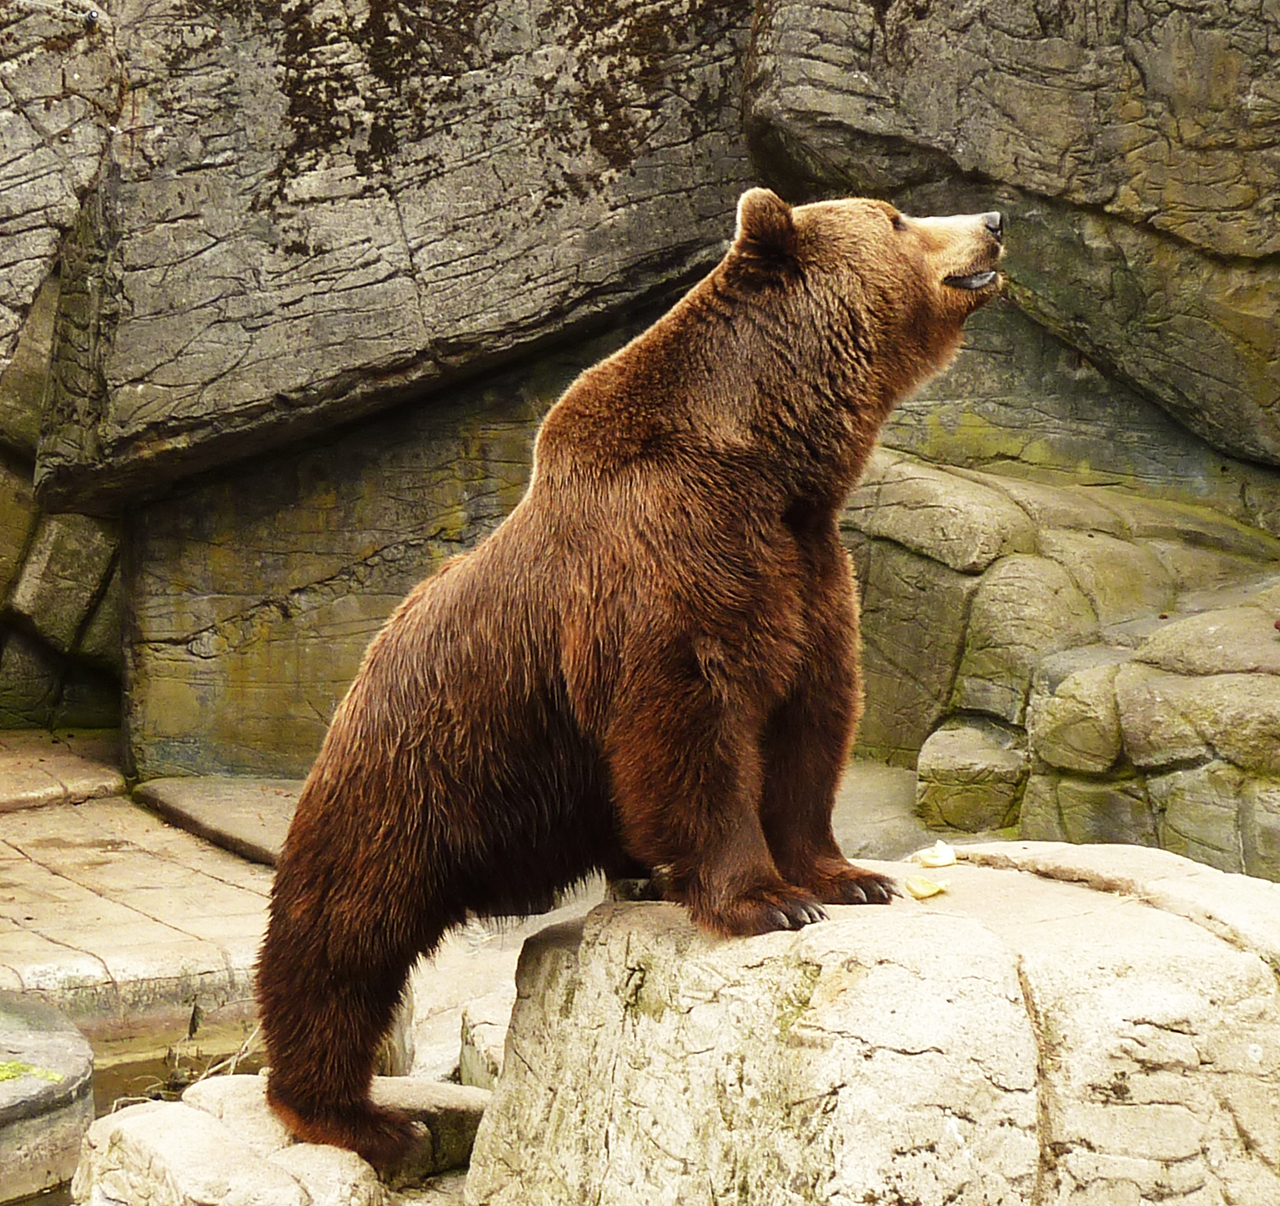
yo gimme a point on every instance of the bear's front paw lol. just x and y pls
(761, 912)
(843, 883)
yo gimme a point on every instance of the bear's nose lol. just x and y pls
(994, 222)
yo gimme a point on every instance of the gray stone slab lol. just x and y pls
(46, 1096)
(221, 1146)
(249, 817)
(126, 923)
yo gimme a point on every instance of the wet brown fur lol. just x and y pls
(651, 663)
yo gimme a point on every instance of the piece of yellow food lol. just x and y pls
(940, 854)
(922, 888)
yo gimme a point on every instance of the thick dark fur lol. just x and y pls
(652, 663)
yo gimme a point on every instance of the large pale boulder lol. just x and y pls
(312, 211)
(1128, 143)
(1015, 1038)
(172, 1154)
(649, 1064)
(222, 1146)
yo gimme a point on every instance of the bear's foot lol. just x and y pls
(385, 1138)
(837, 882)
(760, 912)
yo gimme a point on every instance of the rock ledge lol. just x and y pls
(1017, 1039)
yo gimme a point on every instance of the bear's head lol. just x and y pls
(888, 293)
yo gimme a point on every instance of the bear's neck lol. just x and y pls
(716, 381)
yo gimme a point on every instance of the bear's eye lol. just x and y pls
(899, 223)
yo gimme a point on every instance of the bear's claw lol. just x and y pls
(761, 912)
(795, 915)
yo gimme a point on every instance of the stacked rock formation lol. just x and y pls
(1089, 665)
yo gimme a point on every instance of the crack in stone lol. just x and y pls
(244, 628)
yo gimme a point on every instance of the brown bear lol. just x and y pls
(651, 664)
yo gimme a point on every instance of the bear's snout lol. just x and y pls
(994, 222)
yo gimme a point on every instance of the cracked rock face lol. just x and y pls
(60, 85)
(1017, 1039)
(1134, 146)
(304, 212)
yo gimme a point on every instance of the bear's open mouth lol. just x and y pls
(971, 280)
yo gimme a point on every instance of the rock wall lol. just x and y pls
(235, 227)
(303, 212)
(1080, 662)
(1022, 402)
(291, 286)
(1134, 146)
(61, 600)
(252, 596)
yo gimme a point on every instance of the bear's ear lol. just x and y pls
(765, 225)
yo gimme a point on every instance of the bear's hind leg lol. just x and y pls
(347, 922)
(323, 1032)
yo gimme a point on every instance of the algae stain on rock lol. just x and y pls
(13, 1069)
(795, 998)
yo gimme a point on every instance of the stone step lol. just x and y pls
(247, 816)
(38, 767)
(128, 924)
